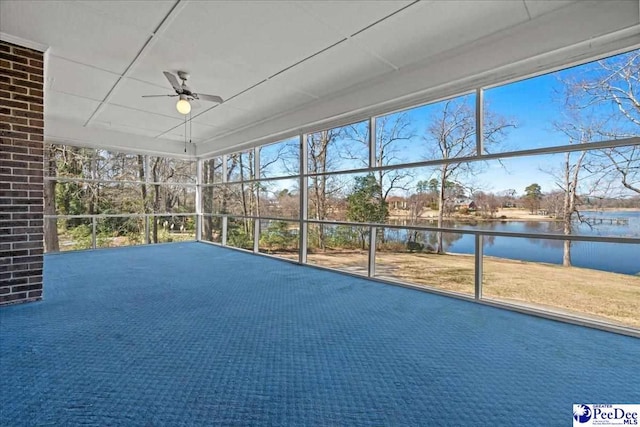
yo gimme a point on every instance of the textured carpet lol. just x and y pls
(192, 334)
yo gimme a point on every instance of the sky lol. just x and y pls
(534, 105)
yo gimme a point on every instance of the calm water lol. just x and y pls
(614, 257)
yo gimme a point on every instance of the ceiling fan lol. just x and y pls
(184, 92)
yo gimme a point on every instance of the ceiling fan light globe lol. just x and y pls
(183, 106)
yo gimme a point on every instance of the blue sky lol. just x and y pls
(534, 105)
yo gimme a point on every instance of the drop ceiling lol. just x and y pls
(287, 66)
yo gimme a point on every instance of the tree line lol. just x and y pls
(87, 181)
(599, 103)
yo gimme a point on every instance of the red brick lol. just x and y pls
(36, 92)
(36, 63)
(13, 58)
(14, 89)
(16, 104)
(27, 68)
(30, 99)
(15, 74)
(29, 114)
(36, 107)
(27, 53)
(26, 83)
(35, 279)
(36, 294)
(12, 119)
(22, 288)
(12, 297)
(21, 182)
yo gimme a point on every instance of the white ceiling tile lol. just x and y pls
(315, 77)
(123, 128)
(68, 107)
(120, 116)
(259, 38)
(223, 116)
(268, 99)
(129, 94)
(208, 73)
(426, 29)
(74, 32)
(143, 14)
(229, 46)
(540, 7)
(348, 17)
(78, 79)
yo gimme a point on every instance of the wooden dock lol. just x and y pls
(605, 220)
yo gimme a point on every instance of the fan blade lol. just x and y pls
(212, 98)
(173, 80)
(155, 96)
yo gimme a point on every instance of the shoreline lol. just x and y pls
(507, 215)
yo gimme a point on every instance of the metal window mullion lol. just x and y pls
(371, 265)
(225, 171)
(199, 222)
(592, 146)
(256, 235)
(256, 194)
(478, 255)
(147, 221)
(371, 270)
(478, 260)
(93, 232)
(225, 168)
(304, 201)
(479, 121)
(224, 231)
(579, 238)
(372, 142)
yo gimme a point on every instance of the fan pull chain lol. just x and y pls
(185, 133)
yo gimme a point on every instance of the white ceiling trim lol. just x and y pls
(23, 42)
(66, 132)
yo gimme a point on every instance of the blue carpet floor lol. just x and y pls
(192, 334)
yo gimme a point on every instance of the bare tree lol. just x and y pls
(574, 175)
(612, 88)
(321, 186)
(487, 203)
(212, 170)
(553, 203)
(391, 130)
(450, 135)
(601, 102)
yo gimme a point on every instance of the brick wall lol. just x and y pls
(21, 163)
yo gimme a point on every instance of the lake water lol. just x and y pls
(614, 257)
